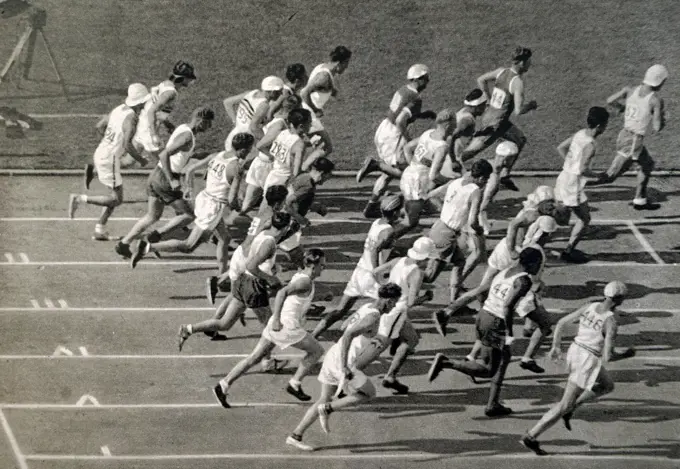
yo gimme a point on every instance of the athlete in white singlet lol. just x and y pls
(392, 135)
(426, 156)
(320, 88)
(286, 329)
(157, 110)
(223, 176)
(117, 130)
(578, 152)
(248, 110)
(407, 272)
(457, 233)
(164, 185)
(262, 164)
(296, 78)
(377, 248)
(592, 349)
(643, 108)
(494, 329)
(342, 367)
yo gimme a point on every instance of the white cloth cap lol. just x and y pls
(416, 71)
(544, 193)
(137, 94)
(423, 248)
(507, 149)
(272, 83)
(655, 75)
(615, 288)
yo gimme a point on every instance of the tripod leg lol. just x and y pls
(16, 53)
(30, 51)
(54, 65)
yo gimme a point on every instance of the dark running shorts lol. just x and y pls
(251, 291)
(159, 187)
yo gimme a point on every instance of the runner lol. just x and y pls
(262, 164)
(457, 231)
(117, 130)
(591, 351)
(393, 134)
(300, 200)
(285, 329)
(494, 329)
(360, 344)
(578, 152)
(377, 248)
(642, 107)
(212, 206)
(248, 110)
(407, 272)
(157, 110)
(540, 226)
(426, 156)
(164, 186)
(321, 87)
(505, 151)
(506, 99)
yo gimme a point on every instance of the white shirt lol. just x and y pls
(112, 142)
(638, 113)
(180, 159)
(217, 185)
(500, 289)
(281, 150)
(295, 306)
(590, 333)
(456, 209)
(372, 239)
(575, 162)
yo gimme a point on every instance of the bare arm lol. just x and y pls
(414, 285)
(255, 259)
(230, 104)
(409, 149)
(129, 128)
(258, 120)
(517, 90)
(384, 238)
(520, 287)
(265, 144)
(483, 81)
(101, 125)
(588, 154)
(616, 100)
(610, 330)
(162, 100)
(437, 164)
(511, 234)
(320, 81)
(296, 151)
(379, 271)
(563, 148)
(300, 286)
(658, 115)
(234, 175)
(353, 329)
(473, 216)
(568, 319)
(180, 143)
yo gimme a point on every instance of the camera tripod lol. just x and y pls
(37, 19)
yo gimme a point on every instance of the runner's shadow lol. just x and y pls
(594, 287)
(663, 449)
(489, 444)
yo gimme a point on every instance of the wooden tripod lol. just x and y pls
(28, 40)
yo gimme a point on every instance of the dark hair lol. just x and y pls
(597, 116)
(474, 94)
(242, 140)
(341, 54)
(323, 165)
(312, 256)
(295, 72)
(275, 195)
(182, 70)
(291, 102)
(530, 256)
(205, 113)
(521, 54)
(280, 220)
(546, 207)
(481, 168)
(389, 291)
(298, 117)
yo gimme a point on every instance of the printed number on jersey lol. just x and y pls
(498, 98)
(632, 112)
(217, 169)
(109, 134)
(501, 291)
(592, 321)
(244, 115)
(254, 225)
(279, 151)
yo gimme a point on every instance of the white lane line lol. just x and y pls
(18, 455)
(66, 116)
(643, 241)
(340, 456)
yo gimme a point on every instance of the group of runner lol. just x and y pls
(279, 150)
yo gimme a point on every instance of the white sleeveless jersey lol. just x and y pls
(281, 150)
(320, 98)
(399, 275)
(426, 148)
(590, 333)
(575, 162)
(295, 307)
(638, 114)
(246, 109)
(456, 209)
(265, 129)
(217, 185)
(500, 289)
(180, 159)
(377, 227)
(268, 265)
(363, 341)
(112, 142)
(156, 92)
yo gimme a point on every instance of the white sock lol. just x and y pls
(99, 228)
(190, 329)
(640, 201)
(294, 383)
(82, 198)
(224, 385)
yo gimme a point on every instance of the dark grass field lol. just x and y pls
(584, 51)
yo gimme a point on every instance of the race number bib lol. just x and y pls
(632, 112)
(592, 321)
(498, 98)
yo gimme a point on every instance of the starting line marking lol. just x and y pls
(106, 451)
(18, 455)
(85, 399)
(49, 304)
(645, 244)
(339, 456)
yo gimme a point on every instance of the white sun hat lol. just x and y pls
(137, 94)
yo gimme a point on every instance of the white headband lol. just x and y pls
(476, 102)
